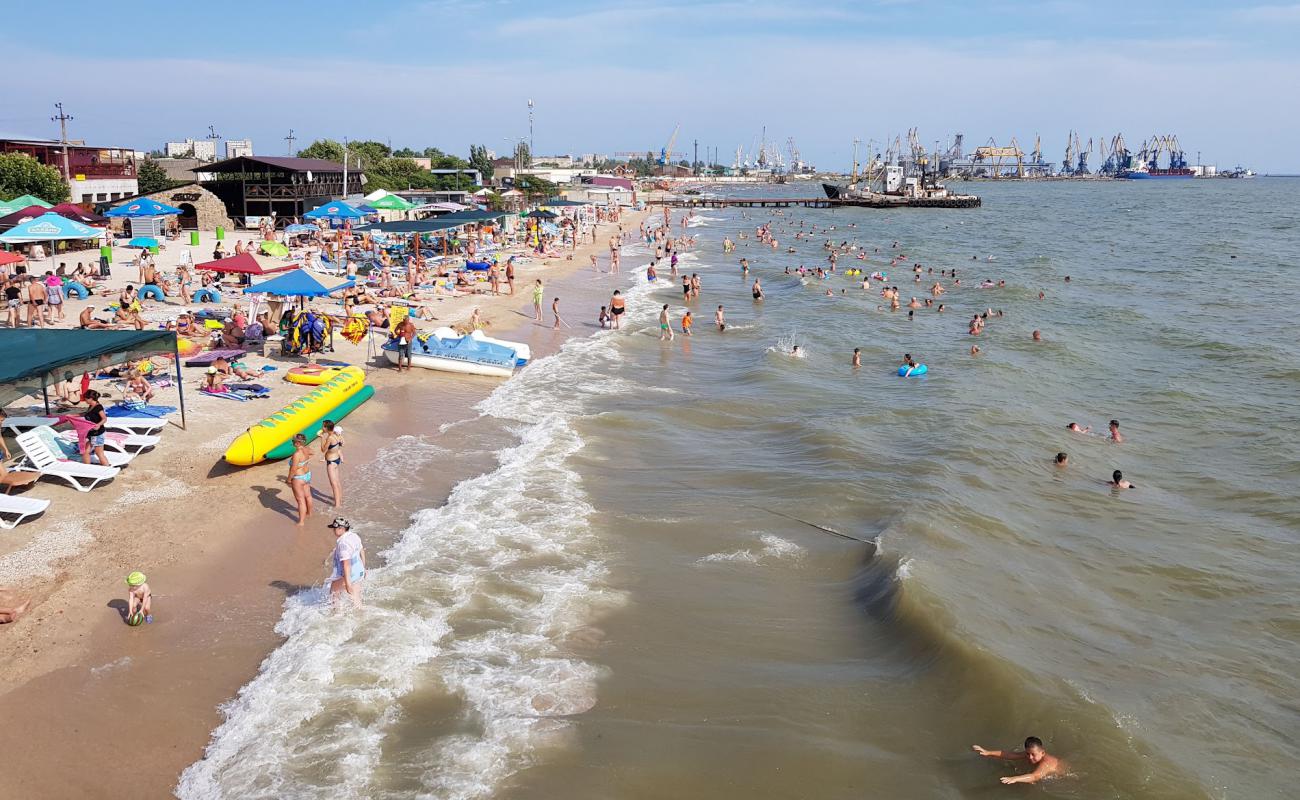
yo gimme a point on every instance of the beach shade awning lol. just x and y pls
(301, 283)
(22, 215)
(248, 264)
(47, 228)
(391, 202)
(474, 215)
(409, 226)
(300, 228)
(143, 207)
(74, 211)
(538, 213)
(23, 201)
(7, 258)
(31, 360)
(334, 211)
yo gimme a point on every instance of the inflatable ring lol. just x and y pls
(920, 369)
(75, 290)
(313, 374)
(206, 295)
(146, 292)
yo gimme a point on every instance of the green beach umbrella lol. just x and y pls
(274, 249)
(19, 203)
(392, 202)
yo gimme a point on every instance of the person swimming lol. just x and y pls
(1117, 481)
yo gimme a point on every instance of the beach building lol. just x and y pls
(202, 149)
(94, 174)
(283, 187)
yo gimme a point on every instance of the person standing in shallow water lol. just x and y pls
(1045, 765)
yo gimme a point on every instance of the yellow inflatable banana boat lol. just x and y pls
(273, 436)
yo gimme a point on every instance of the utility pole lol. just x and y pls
(345, 167)
(62, 119)
(214, 136)
(695, 165)
(531, 154)
(290, 139)
(854, 178)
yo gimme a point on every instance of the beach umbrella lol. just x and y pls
(274, 249)
(7, 258)
(301, 228)
(247, 264)
(22, 215)
(391, 202)
(334, 211)
(301, 283)
(74, 211)
(143, 207)
(49, 227)
(10, 206)
(143, 242)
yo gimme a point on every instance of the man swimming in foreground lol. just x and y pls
(1045, 764)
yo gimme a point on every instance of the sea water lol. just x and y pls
(706, 569)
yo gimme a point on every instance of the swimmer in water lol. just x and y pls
(720, 320)
(1117, 481)
(857, 356)
(1115, 435)
(794, 351)
(757, 290)
(1062, 459)
(1045, 765)
(1073, 427)
(1038, 336)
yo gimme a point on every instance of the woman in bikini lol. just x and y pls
(300, 477)
(331, 447)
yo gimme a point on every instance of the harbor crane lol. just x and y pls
(666, 154)
(992, 152)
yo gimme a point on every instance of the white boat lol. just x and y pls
(447, 351)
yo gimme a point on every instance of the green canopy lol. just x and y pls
(19, 203)
(391, 202)
(33, 359)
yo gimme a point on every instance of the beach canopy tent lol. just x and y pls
(391, 202)
(10, 206)
(74, 211)
(475, 216)
(32, 360)
(22, 215)
(7, 258)
(409, 226)
(47, 228)
(334, 211)
(247, 264)
(301, 283)
(143, 207)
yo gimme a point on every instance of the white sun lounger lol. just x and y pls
(39, 458)
(20, 508)
(68, 450)
(141, 425)
(121, 441)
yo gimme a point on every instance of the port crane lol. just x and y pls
(997, 155)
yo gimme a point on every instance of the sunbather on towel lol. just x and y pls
(212, 382)
(140, 385)
(227, 369)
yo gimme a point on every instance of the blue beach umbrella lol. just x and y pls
(143, 242)
(301, 229)
(334, 211)
(48, 228)
(142, 208)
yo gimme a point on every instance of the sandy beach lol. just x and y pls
(220, 548)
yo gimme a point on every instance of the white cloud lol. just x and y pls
(1286, 13)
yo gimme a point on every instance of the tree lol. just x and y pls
(152, 178)
(21, 174)
(478, 159)
(327, 149)
(533, 186)
(523, 156)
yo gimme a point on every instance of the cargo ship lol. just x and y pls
(1145, 173)
(1148, 161)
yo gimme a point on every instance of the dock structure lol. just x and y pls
(879, 201)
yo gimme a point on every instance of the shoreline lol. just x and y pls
(219, 591)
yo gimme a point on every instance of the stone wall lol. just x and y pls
(211, 211)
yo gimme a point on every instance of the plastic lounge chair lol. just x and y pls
(69, 450)
(121, 441)
(39, 458)
(20, 508)
(139, 425)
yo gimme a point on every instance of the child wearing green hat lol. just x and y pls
(138, 597)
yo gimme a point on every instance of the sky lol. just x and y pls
(621, 76)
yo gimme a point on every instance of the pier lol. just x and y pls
(880, 201)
